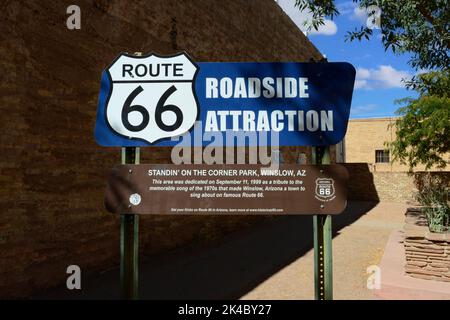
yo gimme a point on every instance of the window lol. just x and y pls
(381, 156)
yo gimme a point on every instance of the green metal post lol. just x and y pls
(129, 240)
(323, 257)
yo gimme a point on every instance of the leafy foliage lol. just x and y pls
(423, 132)
(432, 196)
(421, 28)
(435, 83)
(319, 9)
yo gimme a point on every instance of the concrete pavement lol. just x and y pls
(355, 247)
(273, 260)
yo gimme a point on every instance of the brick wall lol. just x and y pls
(52, 174)
(368, 185)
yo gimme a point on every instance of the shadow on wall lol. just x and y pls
(230, 269)
(361, 185)
(400, 187)
(438, 178)
(52, 172)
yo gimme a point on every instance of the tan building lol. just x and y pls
(365, 142)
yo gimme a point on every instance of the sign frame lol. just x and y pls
(130, 222)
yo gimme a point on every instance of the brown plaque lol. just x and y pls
(227, 189)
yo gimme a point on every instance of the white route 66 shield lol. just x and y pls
(152, 97)
(325, 189)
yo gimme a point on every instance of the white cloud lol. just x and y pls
(383, 77)
(355, 13)
(346, 7)
(363, 73)
(360, 84)
(359, 14)
(363, 109)
(288, 6)
(362, 15)
(328, 29)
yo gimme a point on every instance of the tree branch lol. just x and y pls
(424, 12)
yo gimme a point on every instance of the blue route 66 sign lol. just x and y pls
(148, 98)
(157, 100)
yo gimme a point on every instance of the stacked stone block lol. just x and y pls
(427, 253)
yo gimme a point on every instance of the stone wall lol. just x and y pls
(52, 173)
(427, 253)
(394, 186)
(368, 185)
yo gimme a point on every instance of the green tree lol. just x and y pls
(420, 28)
(423, 129)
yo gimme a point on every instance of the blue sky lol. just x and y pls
(379, 72)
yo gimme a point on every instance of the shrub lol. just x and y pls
(432, 195)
